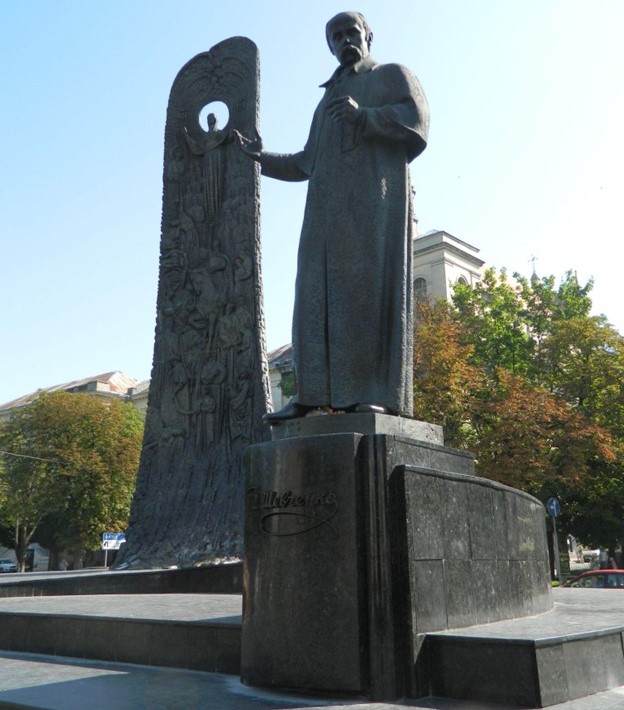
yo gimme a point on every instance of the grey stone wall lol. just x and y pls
(474, 550)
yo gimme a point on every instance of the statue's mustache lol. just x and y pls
(349, 49)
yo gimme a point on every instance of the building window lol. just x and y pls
(462, 281)
(420, 288)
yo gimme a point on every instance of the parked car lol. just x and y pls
(598, 579)
(8, 566)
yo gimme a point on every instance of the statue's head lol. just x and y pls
(349, 37)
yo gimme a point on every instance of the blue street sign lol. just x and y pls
(553, 507)
(112, 541)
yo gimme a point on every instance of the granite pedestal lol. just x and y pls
(364, 532)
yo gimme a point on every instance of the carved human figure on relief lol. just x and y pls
(207, 303)
(240, 404)
(352, 321)
(212, 164)
(229, 328)
(187, 235)
(181, 394)
(205, 428)
(243, 269)
(220, 267)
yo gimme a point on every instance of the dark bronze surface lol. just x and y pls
(209, 385)
(352, 321)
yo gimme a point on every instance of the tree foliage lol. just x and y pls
(518, 371)
(491, 316)
(531, 439)
(71, 458)
(447, 384)
(583, 362)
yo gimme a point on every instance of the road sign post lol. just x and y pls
(555, 509)
(111, 541)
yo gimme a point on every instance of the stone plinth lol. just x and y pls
(359, 424)
(357, 542)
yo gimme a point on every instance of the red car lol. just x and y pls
(598, 579)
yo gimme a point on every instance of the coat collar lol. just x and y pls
(361, 67)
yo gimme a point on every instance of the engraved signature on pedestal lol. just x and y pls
(284, 514)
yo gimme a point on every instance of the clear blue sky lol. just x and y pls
(525, 156)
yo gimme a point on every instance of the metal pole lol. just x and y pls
(556, 550)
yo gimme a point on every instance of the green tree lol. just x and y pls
(545, 304)
(508, 322)
(28, 482)
(72, 458)
(583, 361)
(594, 513)
(521, 434)
(493, 316)
(288, 384)
(518, 372)
(532, 439)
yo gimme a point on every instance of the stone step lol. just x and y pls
(213, 579)
(189, 631)
(573, 651)
(544, 660)
(38, 682)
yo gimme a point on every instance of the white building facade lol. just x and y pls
(440, 260)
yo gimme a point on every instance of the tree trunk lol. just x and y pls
(23, 536)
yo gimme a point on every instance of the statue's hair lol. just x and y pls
(360, 17)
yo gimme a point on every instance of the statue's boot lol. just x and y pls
(293, 410)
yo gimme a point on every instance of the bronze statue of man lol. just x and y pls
(352, 322)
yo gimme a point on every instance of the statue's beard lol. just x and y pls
(350, 55)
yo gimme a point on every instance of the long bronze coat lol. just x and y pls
(352, 322)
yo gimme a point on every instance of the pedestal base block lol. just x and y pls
(357, 543)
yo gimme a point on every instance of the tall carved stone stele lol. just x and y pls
(209, 386)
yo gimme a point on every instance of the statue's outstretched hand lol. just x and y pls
(344, 108)
(251, 148)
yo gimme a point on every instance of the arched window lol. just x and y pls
(462, 281)
(420, 288)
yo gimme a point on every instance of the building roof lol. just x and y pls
(111, 383)
(438, 239)
(281, 357)
(139, 388)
